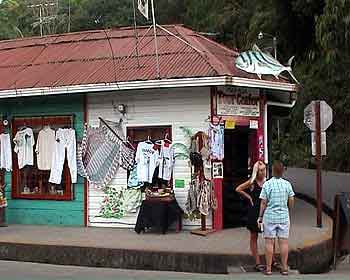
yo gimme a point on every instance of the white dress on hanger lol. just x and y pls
(45, 147)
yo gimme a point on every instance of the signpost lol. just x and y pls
(318, 116)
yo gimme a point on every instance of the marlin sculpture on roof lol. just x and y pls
(262, 63)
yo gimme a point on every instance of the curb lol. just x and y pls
(314, 259)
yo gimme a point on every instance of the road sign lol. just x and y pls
(323, 143)
(318, 116)
(326, 116)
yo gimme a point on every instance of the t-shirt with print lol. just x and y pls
(276, 191)
(147, 160)
(24, 143)
(166, 161)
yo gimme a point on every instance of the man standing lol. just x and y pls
(277, 198)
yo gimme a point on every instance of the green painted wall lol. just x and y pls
(46, 212)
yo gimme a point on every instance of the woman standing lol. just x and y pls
(251, 190)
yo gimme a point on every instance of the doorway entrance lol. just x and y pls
(239, 147)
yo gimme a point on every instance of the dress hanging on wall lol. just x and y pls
(102, 152)
(5, 152)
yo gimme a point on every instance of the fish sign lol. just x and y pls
(262, 63)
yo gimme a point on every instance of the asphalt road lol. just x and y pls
(32, 271)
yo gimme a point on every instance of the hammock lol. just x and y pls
(101, 153)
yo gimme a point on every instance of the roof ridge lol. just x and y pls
(203, 52)
(91, 31)
(217, 44)
(222, 67)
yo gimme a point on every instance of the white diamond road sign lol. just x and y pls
(326, 115)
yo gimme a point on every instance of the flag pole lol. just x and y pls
(136, 34)
(155, 39)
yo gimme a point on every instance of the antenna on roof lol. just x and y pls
(47, 13)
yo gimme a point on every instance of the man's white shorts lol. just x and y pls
(276, 230)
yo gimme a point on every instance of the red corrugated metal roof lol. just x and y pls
(104, 56)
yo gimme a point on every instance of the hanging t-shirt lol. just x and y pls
(147, 159)
(24, 143)
(5, 152)
(133, 181)
(216, 141)
(45, 147)
(166, 161)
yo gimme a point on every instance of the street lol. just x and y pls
(33, 271)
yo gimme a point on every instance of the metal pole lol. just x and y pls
(318, 165)
(275, 46)
(136, 34)
(69, 15)
(41, 20)
(155, 39)
(278, 131)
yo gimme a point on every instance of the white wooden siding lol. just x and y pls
(187, 107)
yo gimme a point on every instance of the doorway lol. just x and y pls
(239, 146)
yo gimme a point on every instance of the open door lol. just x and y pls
(239, 157)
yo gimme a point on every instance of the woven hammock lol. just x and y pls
(102, 152)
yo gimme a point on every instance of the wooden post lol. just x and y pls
(335, 230)
(318, 165)
(203, 222)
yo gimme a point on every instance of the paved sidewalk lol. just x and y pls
(120, 248)
(230, 241)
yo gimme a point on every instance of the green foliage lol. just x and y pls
(317, 32)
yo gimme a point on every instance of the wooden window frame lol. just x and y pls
(32, 121)
(2, 171)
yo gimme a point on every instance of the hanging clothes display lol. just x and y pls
(166, 161)
(133, 181)
(132, 200)
(191, 203)
(65, 141)
(200, 197)
(5, 152)
(45, 148)
(24, 143)
(216, 141)
(102, 152)
(147, 159)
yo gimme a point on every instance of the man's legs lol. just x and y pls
(270, 233)
(283, 242)
(269, 252)
(283, 235)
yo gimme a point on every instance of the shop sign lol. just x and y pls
(230, 124)
(238, 104)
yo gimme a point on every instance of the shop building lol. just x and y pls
(71, 79)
